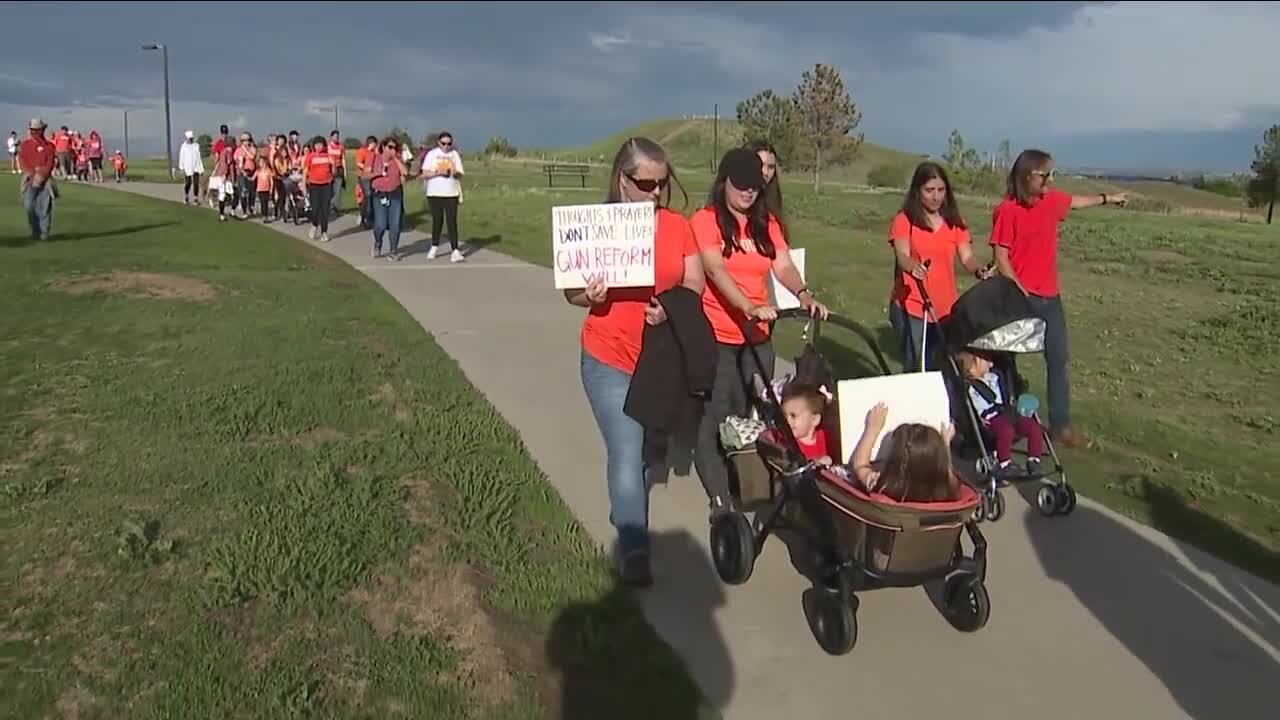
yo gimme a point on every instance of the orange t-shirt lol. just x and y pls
(62, 142)
(613, 330)
(339, 154)
(318, 167)
(938, 247)
(266, 179)
(750, 269)
(363, 156)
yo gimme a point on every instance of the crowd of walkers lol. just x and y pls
(717, 264)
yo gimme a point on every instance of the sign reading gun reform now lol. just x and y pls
(610, 241)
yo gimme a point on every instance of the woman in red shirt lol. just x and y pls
(740, 243)
(1024, 235)
(611, 337)
(929, 229)
(317, 176)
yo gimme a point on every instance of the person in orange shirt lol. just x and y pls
(338, 153)
(265, 178)
(740, 243)
(246, 159)
(926, 236)
(364, 175)
(118, 164)
(317, 175)
(611, 336)
(62, 146)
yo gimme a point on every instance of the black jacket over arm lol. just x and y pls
(677, 365)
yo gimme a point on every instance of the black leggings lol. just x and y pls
(191, 186)
(321, 197)
(264, 197)
(443, 209)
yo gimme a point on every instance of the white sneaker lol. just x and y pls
(324, 237)
(435, 250)
(315, 232)
(457, 256)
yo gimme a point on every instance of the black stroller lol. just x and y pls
(853, 540)
(994, 318)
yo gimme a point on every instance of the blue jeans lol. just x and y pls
(909, 330)
(386, 218)
(606, 388)
(1057, 385)
(366, 207)
(38, 202)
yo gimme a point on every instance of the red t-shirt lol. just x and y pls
(386, 174)
(749, 269)
(218, 146)
(94, 147)
(816, 449)
(938, 246)
(318, 168)
(613, 330)
(1031, 235)
(62, 141)
(36, 156)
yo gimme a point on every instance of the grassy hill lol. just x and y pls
(695, 144)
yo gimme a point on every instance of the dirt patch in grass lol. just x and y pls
(388, 395)
(445, 600)
(1165, 256)
(160, 286)
(75, 703)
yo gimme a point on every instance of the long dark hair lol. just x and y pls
(1029, 161)
(757, 218)
(914, 209)
(773, 191)
(916, 465)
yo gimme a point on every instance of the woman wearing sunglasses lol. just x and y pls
(442, 171)
(611, 337)
(387, 173)
(740, 243)
(1024, 237)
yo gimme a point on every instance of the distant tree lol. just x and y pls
(772, 118)
(1004, 155)
(499, 145)
(399, 134)
(1264, 187)
(205, 141)
(429, 141)
(967, 170)
(890, 175)
(826, 115)
(352, 143)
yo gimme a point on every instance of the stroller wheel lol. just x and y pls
(733, 547)
(1047, 500)
(993, 505)
(1066, 497)
(968, 606)
(831, 620)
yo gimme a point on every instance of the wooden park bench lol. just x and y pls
(554, 170)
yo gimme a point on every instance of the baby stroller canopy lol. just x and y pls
(994, 315)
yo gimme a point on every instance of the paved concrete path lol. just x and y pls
(1094, 616)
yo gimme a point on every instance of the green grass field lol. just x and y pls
(1174, 331)
(238, 480)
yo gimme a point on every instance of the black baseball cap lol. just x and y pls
(743, 168)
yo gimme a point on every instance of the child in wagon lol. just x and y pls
(914, 463)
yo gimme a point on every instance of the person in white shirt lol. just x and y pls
(442, 171)
(13, 151)
(192, 166)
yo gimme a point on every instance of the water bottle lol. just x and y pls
(1028, 404)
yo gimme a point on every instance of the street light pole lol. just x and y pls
(168, 128)
(126, 134)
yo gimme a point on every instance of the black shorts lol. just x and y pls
(95, 163)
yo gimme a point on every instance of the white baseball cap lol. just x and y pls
(188, 134)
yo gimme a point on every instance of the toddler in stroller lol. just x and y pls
(876, 524)
(989, 325)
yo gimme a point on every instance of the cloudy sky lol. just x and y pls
(1124, 85)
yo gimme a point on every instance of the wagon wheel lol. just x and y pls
(967, 604)
(733, 548)
(832, 619)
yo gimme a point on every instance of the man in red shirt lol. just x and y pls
(36, 157)
(1024, 238)
(338, 156)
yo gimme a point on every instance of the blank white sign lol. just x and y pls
(911, 398)
(782, 297)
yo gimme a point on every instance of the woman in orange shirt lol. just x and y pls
(741, 243)
(611, 337)
(927, 230)
(317, 175)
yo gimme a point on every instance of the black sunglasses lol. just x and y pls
(648, 185)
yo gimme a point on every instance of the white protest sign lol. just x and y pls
(911, 398)
(782, 297)
(611, 241)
